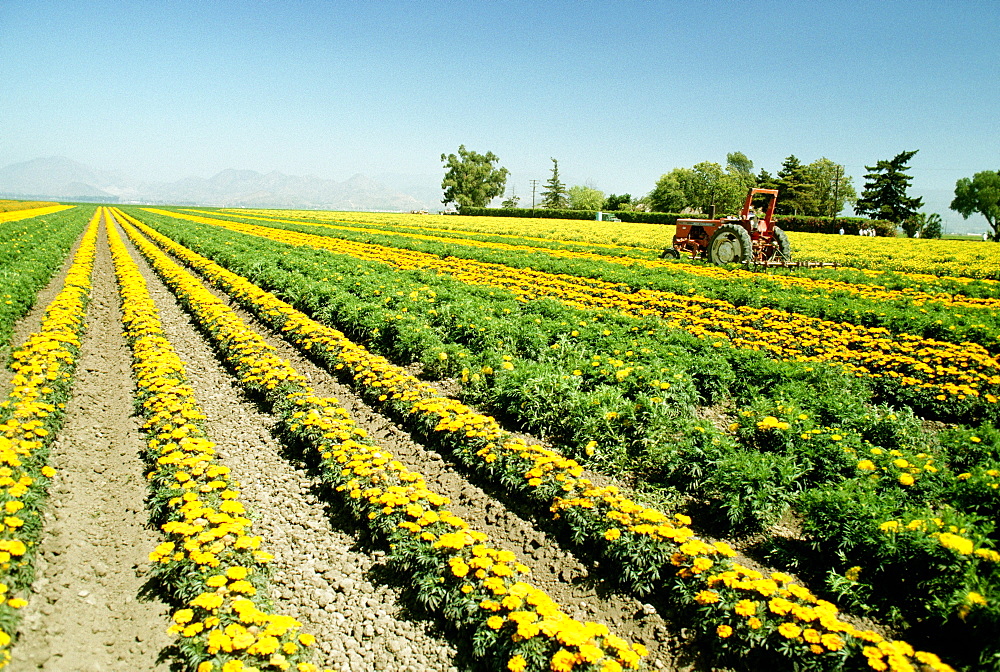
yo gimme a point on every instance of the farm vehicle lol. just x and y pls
(743, 239)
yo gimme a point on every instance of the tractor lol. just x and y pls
(745, 239)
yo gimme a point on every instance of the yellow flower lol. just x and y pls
(495, 622)
(905, 479)
(612, 534)
(517, 664)
(789, 630)
(724, 631)
(706, 597)
(746, 608)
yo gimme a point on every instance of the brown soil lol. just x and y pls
(85, 612)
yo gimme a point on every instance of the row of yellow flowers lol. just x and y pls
(27, 213)
(770, 611)
(43, 374)
(481, 582)
(912, 476)
(949, 371)
(811, 283)
(211, 565)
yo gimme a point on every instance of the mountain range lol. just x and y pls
(60, 178)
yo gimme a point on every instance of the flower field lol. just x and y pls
(533, 444)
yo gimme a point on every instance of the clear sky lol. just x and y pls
(618, 92)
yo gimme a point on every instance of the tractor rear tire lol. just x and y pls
(730, 244)
(781, 242)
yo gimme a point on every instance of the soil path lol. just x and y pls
(553, 568)
(321, 576)
(85, 613)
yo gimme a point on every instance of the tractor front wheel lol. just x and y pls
(730, 244)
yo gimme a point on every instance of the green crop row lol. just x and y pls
(936, 312)
(639, 549)
(31, 250)
(566, 381)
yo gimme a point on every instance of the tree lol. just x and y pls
(622, 202)
(670, 192)
(922, 225)
(932, 226)
(715, 187)
(980, 194)
(885, 196)
(794, 188)
(737, 163)
(585, 198)
(472, 179)
(831, 189)
(511, 202)
(554, 196)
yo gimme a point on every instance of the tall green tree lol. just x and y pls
(618, 202)
(980, 194)
(794, 188)
(555, 197)
(472, 178)
(585, 198)
(885, 196)
(670, 194)
(739, 164)
(831, 188)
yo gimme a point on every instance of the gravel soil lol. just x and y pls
(85, 612)
(553, 568)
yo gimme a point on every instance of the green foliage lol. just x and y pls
(585, 198)
(554, 196)
(617, 202)
(471, 178)
(831, 188)
(31, 252)
(980, 194)
(752, 490)
(794, 187)
(922, 225)
(671, 192)
(884, 196)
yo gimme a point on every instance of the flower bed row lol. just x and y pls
(562, 249)
(651, 549)
(965, 376)
(210, 566)
(474, 585)
(27, 213)
(29, 419)
(31, 250)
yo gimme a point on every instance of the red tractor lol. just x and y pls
(735, 240)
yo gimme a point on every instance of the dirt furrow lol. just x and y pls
(554, 569)
(321, 576)
(85, 612)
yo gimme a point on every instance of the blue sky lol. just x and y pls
(618, 92)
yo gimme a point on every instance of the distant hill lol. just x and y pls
(64, 179)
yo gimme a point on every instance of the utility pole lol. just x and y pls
(534, 183)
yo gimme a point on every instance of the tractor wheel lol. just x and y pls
(781, 242)
(730, 244)
(671, 252)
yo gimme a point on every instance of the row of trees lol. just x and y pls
(819, 188)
